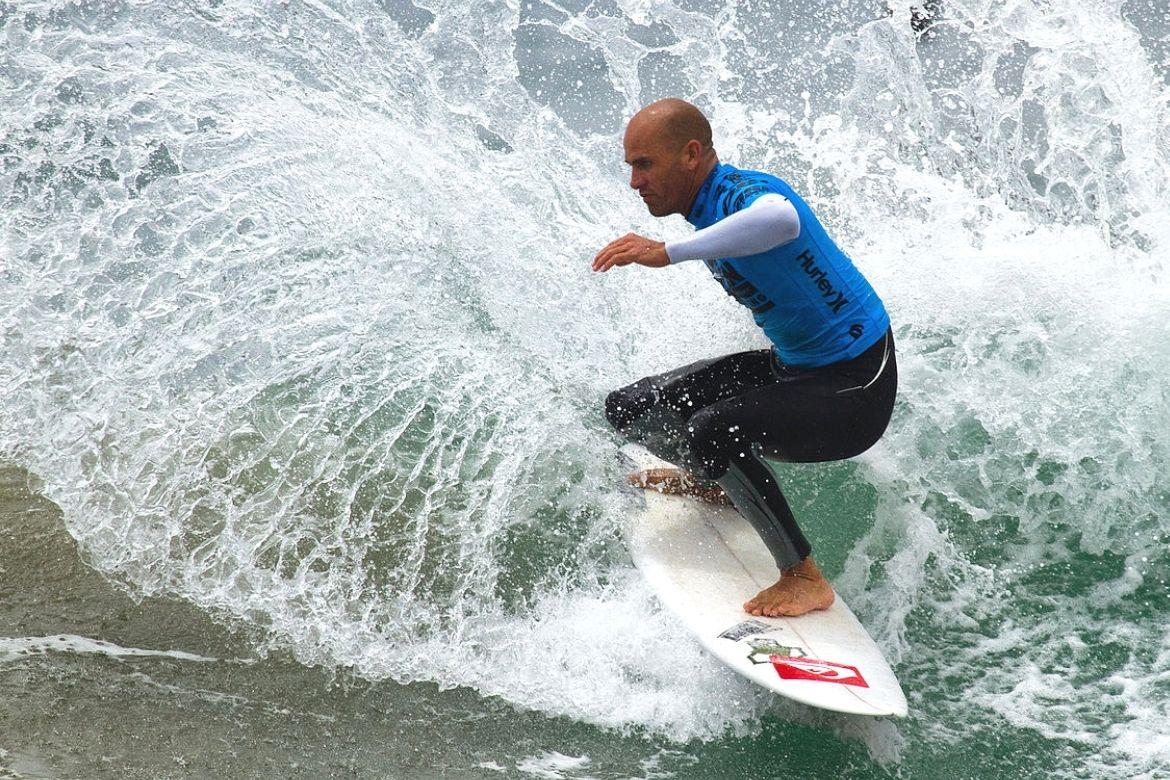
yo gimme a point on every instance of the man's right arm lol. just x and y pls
(767, 222)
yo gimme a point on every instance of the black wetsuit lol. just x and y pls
(718, 418)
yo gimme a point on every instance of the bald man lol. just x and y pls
(823, 391)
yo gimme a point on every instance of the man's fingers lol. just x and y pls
(608, 263)
(610, 248)
(604, 262)
(609, 256)
(620, 251)
(602, 256)
(612, 245)
(624, 257)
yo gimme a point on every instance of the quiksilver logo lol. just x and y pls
(834, 298)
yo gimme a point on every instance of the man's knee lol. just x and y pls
(625, 405)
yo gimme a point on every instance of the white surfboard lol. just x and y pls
(703, 561)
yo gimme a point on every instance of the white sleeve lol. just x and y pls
(770, 220)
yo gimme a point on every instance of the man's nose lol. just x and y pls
(636, 180)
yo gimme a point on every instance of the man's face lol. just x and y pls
(659, 169)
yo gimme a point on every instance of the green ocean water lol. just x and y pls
(301, 371)
(70, 712)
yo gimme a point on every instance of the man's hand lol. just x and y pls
(631, 248)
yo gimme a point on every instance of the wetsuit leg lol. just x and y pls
(822, 414)
(752, 488)
(719, 417)
(654, 411)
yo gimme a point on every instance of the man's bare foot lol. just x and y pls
(677, 482)
(800, 589)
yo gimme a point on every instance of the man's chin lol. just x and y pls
(657, 211)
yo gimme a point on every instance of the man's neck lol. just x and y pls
(703, 172)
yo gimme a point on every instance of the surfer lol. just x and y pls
(823, 391)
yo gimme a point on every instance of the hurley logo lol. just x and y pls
(834, 298)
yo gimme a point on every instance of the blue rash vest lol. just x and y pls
(809, 298)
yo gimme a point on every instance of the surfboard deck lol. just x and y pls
(703, 561)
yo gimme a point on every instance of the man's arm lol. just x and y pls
(769, 221)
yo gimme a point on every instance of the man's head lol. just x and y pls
(669, 151)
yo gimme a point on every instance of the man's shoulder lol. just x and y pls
(736, 188)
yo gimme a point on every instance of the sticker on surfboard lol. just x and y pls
(790, 668)
(764, 641)
(745, 629)
(766, 648)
